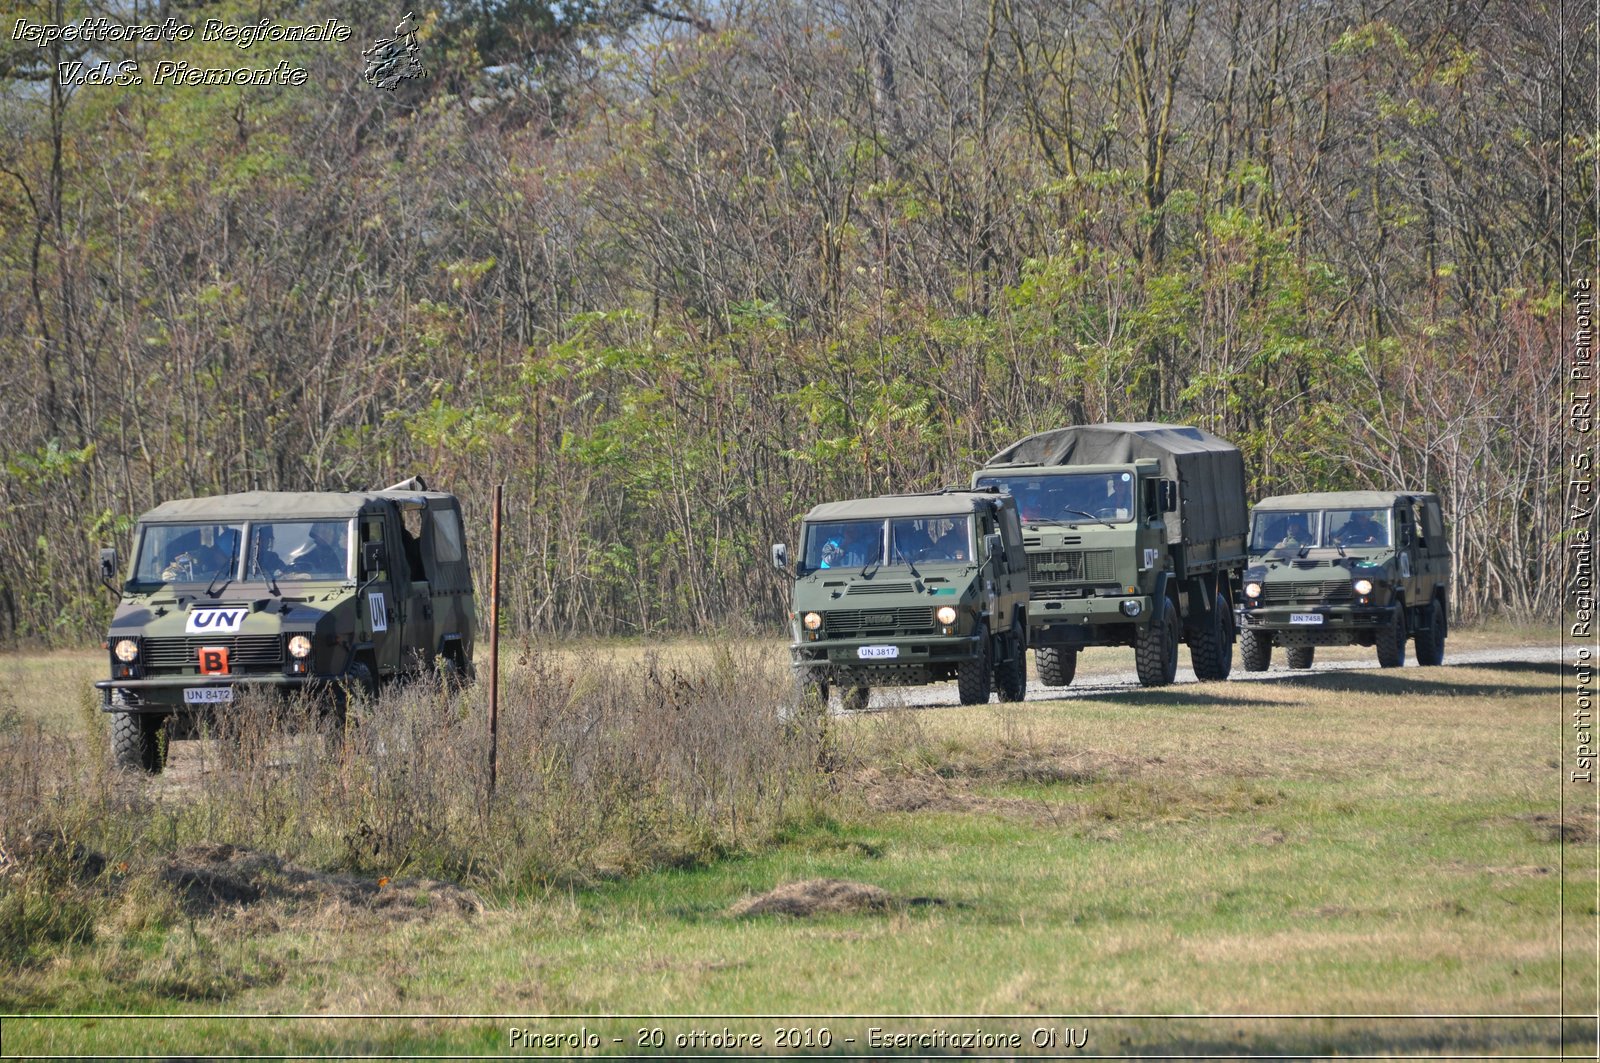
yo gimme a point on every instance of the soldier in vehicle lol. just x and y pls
(943, 543)
(1361, 529)
(192, 558)
(264, 561)
(832, 553)
(323, 555)
(1294, 534)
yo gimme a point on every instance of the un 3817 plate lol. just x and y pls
(877, 653)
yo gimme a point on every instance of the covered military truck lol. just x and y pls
(1135, 533)
(288, 591)
(910, 589)
(1365, 568)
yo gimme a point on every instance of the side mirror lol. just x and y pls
(108, 563)
(373, 558)
(991, 544)
(780, 557)
(1169, 495)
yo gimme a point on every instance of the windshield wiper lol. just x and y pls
(874, 565)
(255, 564)
(214, 593)
(901, 554)
(1091, 516)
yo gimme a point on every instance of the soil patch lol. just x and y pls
(213, 879)
(817, 896)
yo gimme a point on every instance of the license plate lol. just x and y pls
(207, 695)
(877, 653)
(1305, 618)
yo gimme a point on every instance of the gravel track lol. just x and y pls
(1110, 684)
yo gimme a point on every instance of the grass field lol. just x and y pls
(1325, 844)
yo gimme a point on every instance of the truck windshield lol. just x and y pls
(844, 543)
(1286, 529)
(1358, 527)
(299, 550)
(930, 539)
(1068, 497)
(187, 553)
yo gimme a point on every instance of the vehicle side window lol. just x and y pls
(1433, 522)
(372, 532)
(411, 533)
(446, 536)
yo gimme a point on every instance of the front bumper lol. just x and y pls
(165, 693)
(919, 659)
(1341, 624)
(1084, 621)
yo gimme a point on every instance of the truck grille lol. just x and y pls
(846, 623)
(244, 651)
(1333, 590)
(879, 588)
(1070, 566)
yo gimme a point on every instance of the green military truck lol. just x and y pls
(1135, 533)
(281, 590)
(1365, 568)
(909, 589)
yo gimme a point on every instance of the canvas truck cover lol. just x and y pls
(1209, 470)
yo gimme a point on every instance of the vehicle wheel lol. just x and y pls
(1301, 656)
(1255, 649)
(1212, 652)
(810, 697)
(1012, 676)
(856, 699)
(1392, 641)
(975, 678)
(452, 680)
(1430, 643)
(1156, 650)
(1057, 665)
(139, 741)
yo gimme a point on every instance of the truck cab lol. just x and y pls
(1366, 568)
(910, 589)
(287, 591)
(1133, 533)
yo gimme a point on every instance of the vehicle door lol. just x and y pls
(1432, 567)
(449, 577)
(1406, 552)
(378, 612)
(416, 610)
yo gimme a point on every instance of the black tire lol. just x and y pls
(1301, 656)
(975, 678)
(810, 696)
(1011, 677)
(1430, 643)
(1255, 650)
(452, 680)
(1392, 640)
(1211, 652)
(856, 698)
(139, 741)
(1155, 651)
(1057, 665)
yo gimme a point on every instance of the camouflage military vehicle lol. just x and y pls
(286, 591)
(1135, 533)
(911, 589)
(1369, 568)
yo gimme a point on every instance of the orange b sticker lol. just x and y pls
(213, 660)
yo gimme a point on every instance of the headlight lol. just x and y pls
(127, 651)
(299, 646)
(813, 621)
(1132, 607)
(1362, 586)
(1252, 590)
(946, 614)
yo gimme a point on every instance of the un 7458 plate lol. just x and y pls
(1305, 618)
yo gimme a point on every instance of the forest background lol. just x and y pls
(675, 272)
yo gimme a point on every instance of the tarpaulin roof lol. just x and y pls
(941, 504)
(280, 505)
(1209, 470)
